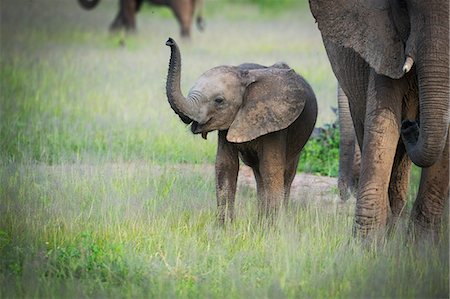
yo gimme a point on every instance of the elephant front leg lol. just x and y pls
(227, 167)
(432, 198)
(381, 135)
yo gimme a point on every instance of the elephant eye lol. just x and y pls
(218, 100)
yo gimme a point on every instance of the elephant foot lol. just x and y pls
(423, 227)
(419, 232)
(369, 226)
(185, 34)
(370, 236)
(344, 190)
(200, 24)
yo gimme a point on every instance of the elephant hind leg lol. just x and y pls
(289, 175)
(184, 13)
(347, 148)
(432, 197)
(260, 193)
(398, 185)
(126, 17)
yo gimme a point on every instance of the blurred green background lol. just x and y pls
(71, 93)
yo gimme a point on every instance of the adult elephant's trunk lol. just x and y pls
(428, 46)
(176, 99)
(88, 4)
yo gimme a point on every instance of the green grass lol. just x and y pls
(71, 93)
(104, 193)
(141, 230)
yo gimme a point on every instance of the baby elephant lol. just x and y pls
(264, 115)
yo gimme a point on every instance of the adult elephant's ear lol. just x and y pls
(273, 100)
(367, 28)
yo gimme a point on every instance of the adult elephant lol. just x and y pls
(391, 58)
(184, 11)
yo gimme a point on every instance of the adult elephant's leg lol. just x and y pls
(125, 18)
(398, 186)
(352, 73)
(346, 146)
(381, 135)
(118, 22)
(356, 165)
(432, 197)
(399, 183)
(289, 175)
(129, 9)
(227, 167)
(198, 9)
(184, 12)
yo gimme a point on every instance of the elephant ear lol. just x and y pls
(271, 103)
(366, 27)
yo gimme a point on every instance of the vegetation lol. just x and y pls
(321, 153)
(104, 193)
(134, 230)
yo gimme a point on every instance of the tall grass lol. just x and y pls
(104, 193)
(144, 231)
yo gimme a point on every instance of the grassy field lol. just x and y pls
(104, 193)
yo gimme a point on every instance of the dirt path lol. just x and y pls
(304, 186)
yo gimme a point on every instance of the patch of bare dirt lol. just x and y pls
(304, 186)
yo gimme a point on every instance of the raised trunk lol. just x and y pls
(176, 99)
(428, 42)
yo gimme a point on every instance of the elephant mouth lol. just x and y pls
(198, 128)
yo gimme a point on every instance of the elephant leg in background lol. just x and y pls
(259, 192)
(356, 167)
(126, 17)
(399, 182)
(198, 10)
(227, 168)
(432, 197)
(184, 13)
(348, 149)
(289, 175)
(381, 136)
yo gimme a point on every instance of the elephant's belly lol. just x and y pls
(249, 156)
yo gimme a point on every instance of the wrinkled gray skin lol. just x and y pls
(264, 115)
(183, 10)
(349, 152)
(391, 59)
